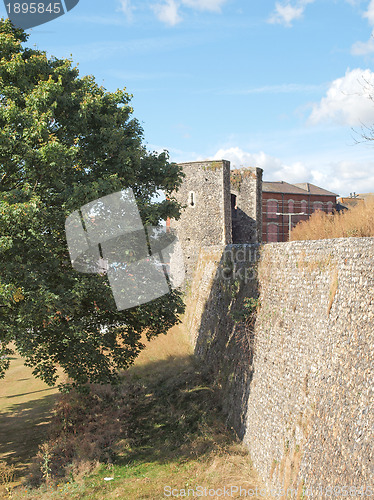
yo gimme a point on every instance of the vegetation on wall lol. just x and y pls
(237, 177)
(214, 165)
(247, 313)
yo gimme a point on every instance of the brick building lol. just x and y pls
(284, 198)
(344, 203)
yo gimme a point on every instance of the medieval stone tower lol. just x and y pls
(246, 202)
(222, 207)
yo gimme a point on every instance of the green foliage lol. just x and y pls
(65, 141)
(250, 307)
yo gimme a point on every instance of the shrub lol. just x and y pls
(355, 222)
(84, 429)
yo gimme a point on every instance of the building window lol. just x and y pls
(317, 205)
(304, 207)
(234, 207)
(233, 201)
(191, 199)
(272, 209)
(272, 233)
(329, 207)
(291, 206)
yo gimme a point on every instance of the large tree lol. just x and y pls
(64, 142)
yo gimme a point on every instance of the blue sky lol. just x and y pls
(281, 85)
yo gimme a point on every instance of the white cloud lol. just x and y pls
(274, 168)
(126, 7)
(168, 12)
(286, 13)
(345, 176)
(210, 5)
(341, 177)
(370, 13)
(348, 100)
(363, 48)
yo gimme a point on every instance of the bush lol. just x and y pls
(355, 222)
(83, 432)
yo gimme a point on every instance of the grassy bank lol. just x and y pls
(163, 427)
(25, 411)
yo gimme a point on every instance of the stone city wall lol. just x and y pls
(298, 378)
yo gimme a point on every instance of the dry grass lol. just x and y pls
(162, 426)
(355, 222)
(7, 473)
(173, 348)
(25, 407)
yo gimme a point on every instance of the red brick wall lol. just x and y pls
(279, 225)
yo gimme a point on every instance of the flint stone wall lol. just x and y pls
(299, 381)
(206, 218)
(246, 185)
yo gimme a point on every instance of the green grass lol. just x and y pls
(169, 432)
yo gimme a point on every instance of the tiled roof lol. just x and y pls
(301, 188)
(281, 187)
(312, 189)
(352, 201)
